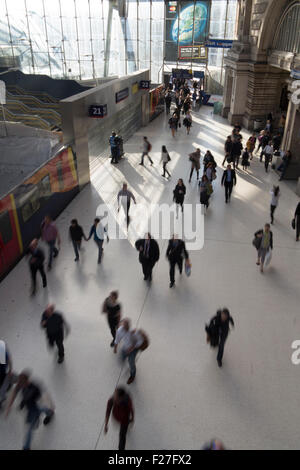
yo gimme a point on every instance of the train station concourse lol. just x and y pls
(149, 225)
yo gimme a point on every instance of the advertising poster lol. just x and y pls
(187, 27)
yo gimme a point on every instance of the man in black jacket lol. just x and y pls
(148, 255)
(54, 324)
(36, 263)
(76, 235)
(228, 179)
(220, 324)
(175, 252)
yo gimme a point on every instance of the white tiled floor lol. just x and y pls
(181, 397)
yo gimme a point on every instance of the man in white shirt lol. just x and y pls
(132, 341)
(268, 152)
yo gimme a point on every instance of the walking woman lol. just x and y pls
(245, 159)
(275, 194)
(165, 158)
(173, 122)
(263, 242)
(187, 122)
(195, 159)
(205, 191)
(179, 194)
(251, 145)
(210, 172)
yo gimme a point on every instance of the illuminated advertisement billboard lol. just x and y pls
(187, 26)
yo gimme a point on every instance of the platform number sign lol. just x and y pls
(98, 110)
(144, 84)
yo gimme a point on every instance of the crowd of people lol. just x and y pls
(133, 341)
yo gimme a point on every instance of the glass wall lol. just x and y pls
(85, 39)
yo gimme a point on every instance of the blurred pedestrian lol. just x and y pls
(194, 157)
(33, 393)
(98, 231)
(6, 367)
(50, 235)
(187, 122)
(176, 251)
(228, 180)
(263, 242)
(55, 326)
(36, 263)
(165, 159)
(245, 159)
(297, 221)
(76, 235)
(148, 255)
(124, 197)
(120, 404)
(275, 194)
(178, 195)
(112, 308)
(114, 148)
(220, 325)
(146, 149)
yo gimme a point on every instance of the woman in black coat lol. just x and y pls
(179, 193)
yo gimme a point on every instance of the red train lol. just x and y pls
(47, 191)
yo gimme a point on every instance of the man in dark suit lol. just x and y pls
(149, 255)
(228, 179)
(175, 252)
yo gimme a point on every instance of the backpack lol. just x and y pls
(146, 341)
(149, 147)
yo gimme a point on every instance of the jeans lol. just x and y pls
(268, 159)
(165, 169)
(99, 243)
(272, 210)
(58, 340)
(179, 263)
(53, 251)
(131, 361)
(149, 158)
(76, 246)
(191, 173)
(33, 270)
(228, 190)
(33, 423)
(114, 154)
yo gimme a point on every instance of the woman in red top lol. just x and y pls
(122, 409)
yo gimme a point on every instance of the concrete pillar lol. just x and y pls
(227, 92)
(238, 96)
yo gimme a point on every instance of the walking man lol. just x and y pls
(98, 231)
(133, 341)
(220, 324)
(175, 252)
(120, 405)
(194, 157)
(76, 235)
(50, 234)
(148, 255)
(36, 263)
(55, 324)
(125, 196)
(31, 396)
(268, 152)
(146, 148)
(112, 308)
(228, 180)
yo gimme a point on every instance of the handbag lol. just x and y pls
(187, 268)
(169, 158)
(294, 224)
(268, 257)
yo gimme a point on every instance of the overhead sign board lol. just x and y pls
(182, 73)
(145, 84)
(98, 110)
(122, 95)
(192, 52)
(219, 43)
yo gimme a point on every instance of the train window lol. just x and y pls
(45, 187)
(60, 175)
(5, 227)
(31, 204)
